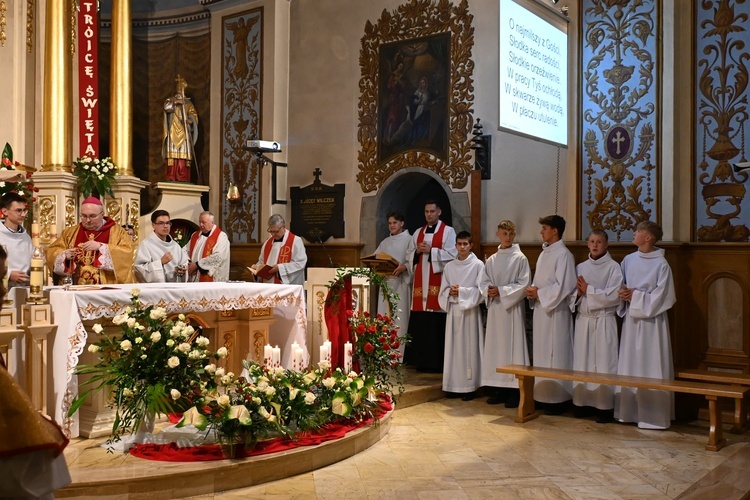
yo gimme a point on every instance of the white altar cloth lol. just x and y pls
(72, 307)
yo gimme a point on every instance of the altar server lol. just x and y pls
(646, 295)
(399, 281)
(15, 238)
(208, 250)
(460, 298)
(160, 258)
(284, 252)
(94, 252)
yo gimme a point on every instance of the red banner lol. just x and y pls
(88, 78)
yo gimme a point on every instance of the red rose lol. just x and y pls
(393, 336)
(369, 348)
(382, 339)
(6, 162)
(380, 316)
(360, 329)
(386, 347)
(372, 329)
(394, 355)
(28, 175)
(367, 314)
(349, 313)
(396, 344)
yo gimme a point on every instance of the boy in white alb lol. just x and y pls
(552, 296)
(160, 259)
(460, 298)
(503, 286)
(595, 340)
(15, 239)
(646, 295)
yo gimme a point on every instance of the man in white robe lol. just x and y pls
(284, 252)
(432, 246)
(503, 286)
(595, 342)
(208, 250)
(16, 240)
(399, 281)
(552, 296)
(160, 259)
(460, 298)
(645, 348)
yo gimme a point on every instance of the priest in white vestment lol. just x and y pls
(460, 298)
(16, 239)
(552, 296)
(431, 247)
(399, 281)
(160, 259)
(503, 286)
(645, 347)
(595, 344)
(208, 250)
(284, 252)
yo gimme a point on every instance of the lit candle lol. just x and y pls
(267, 354)
(323, 352)
(275, 357)
(347, 357)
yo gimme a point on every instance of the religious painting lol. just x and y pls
(416, 93)
(242, 69)
(413, 100)
(620, 139)
(721, 110)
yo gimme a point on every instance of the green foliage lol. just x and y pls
(94, 174)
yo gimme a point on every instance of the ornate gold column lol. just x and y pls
(121, 131)
(57, 88)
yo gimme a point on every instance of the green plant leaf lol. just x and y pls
(8, 152)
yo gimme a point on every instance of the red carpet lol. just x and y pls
(172, 453)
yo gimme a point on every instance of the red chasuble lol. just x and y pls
(207, 249)
(85, 266)
(285, 254)
(433, 289)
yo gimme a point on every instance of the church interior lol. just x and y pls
(655, 97)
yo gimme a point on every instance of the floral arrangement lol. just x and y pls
(153, 367)
(376, 348)
(25, 189)
(94, 174)
(376, 341)
(276, 401)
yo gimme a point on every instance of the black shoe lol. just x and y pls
(513, 401)
(453, 395)
(583, 411)
(605, 416)
(498, 397)
(557, 408)
(468, 396)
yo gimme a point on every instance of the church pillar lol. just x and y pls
(121, 112)
(57, 122)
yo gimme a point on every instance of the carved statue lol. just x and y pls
(180, 134)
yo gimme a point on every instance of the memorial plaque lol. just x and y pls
(318, 210)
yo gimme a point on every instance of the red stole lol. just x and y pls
(208, 248)
(85, 266)
(285, 254)
(433, 289)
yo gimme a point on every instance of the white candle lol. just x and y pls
(267, 354)
(299, 354)
(327, 345)
(53, 231)
(347, 357)
(324, 352)
(275, 357)
(34, 230)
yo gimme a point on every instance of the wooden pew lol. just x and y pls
(527, 374)
(729, 378)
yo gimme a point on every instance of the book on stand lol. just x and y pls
(264, 272)
(381, 263)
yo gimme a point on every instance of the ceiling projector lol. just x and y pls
(258, 146)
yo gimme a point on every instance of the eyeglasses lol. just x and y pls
(20, 210)
(274, 231)
(162, 223)
(90, 217)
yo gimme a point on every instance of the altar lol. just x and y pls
(281, 306)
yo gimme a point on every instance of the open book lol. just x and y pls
(263, 273)
(381, 263)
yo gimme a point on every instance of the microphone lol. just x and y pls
(330, 260)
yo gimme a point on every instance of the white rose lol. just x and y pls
(173, 362)
(170, 343)
(256, 400)
(329, 382)
(262, 385)
(181, 317)
(187, 331)
(195, 354)
(210, 369)
(93, 348)
(226, 379)
(223, 400)
(135, 292)
(309, 398)
(309, 378)
(130, 322)
(202, 341)
(279, 371)
(220, 372)
(120, 319)
(138, 340)
(97, 328)
(105, 169)
(155, 337)
(270, 391)
(175, 394)
(158, 313)
(324, 365)
(184, 347)
(125, 345)
(222, 352)
(143, 356)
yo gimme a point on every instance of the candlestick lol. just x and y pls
(347, 357)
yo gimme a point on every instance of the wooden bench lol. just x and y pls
(729, 378)
(527, 374)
